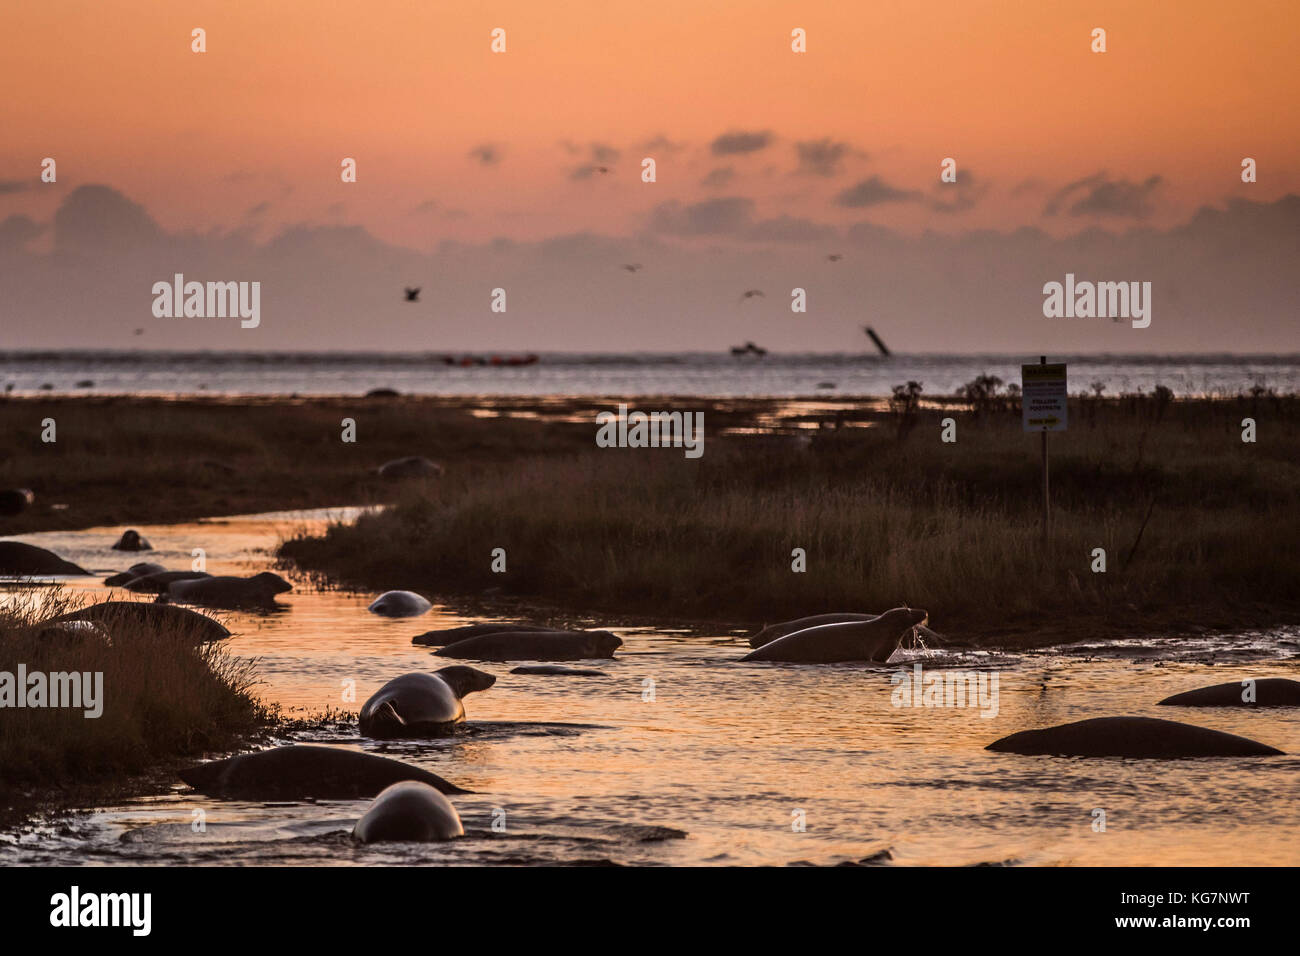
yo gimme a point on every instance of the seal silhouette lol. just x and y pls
(399, 604)
(453, 634)
(230, 592)
(1130, 737)
(134, 571)
(132, 541)
(872, 640)
(1269, 692)
(772, 632)
(409, 811)
(129, 616)
(534, 646)
(422, 705)
(306, 772)
(413, 466)
(160, 581)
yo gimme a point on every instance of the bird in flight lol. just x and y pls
(413, 295)
(602, 169)
(632, 267)
(835, 257)
(750, 293)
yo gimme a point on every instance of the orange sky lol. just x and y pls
(287, 88)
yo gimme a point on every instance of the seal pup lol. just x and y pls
(772, 632)
(1269, 692)
(534, 646)
(422, 705)
(413, 466)
(453, 634)
(399, 604)
(306, 772)
(133, 615)
(1130, 737)
(132, 541)
(232, 592)
(133, 572)
(872, 640)
(411, 812)
(160, 581)
(25, 560)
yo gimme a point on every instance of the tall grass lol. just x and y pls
(164, 696)
(954, 528)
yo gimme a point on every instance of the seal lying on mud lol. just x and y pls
(140, 570)
(453, 634)
(159, 582)
(412, 467)
(132, 541)
(18, 559)
(557, 670)
(1130, 737)
(422, 705)
(774, 631)
(1269, 692)
(233, 592)
(133, 615)
(872, 640)
(399, 604)
(409, 811)
(534, 646)
(303, 772)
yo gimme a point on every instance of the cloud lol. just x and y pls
(600, 157)
(718, 177)
(730, 144)
(258, 210)
(661, 144)
(18, 231)
(790, 229)
(99, 217)
(486, 154)
(713, 217)
(13, 186)
(821, 157)
(963, 195)
(1096, 195)
(873, 192)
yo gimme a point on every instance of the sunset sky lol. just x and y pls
(762, 154)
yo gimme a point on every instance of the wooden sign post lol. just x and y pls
(1043, 404)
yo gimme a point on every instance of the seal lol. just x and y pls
(413, 466)
(133, 572)
(771, 632)
(27, 560)
(411, 812)
(232, 592)
(160, 581)
(73, 631)
(130, 616)
(132, 541)
(14, 501)
(399, 604)
(422, 705)
(534, 646)
(1130, 737)
(305, 772)
(872, 640)
(453, 634)
(1269, 692)
(557, 670)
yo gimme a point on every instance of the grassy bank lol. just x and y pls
(1198, 528)
(162, 698)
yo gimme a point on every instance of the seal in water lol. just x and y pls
(422, 705)
(134, 571)
(159, 582)
(1130, 737)
(872, 640)
(534, 646)
(411, 467)
(399, 604)
(133, 615)
(132, 541)
(233, 592)
(557, 670)
(1269, 692)
(773, 631)
(453, 634)
(18, 559)
(304, 772)
(409, 811)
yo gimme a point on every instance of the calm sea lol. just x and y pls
(687, 374)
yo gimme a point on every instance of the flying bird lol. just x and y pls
(602, 169)
(633, 267)
(834, 257)
(413, 295)
(750, 293)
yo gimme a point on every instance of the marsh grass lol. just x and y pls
(164, 696)
(954, 528)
